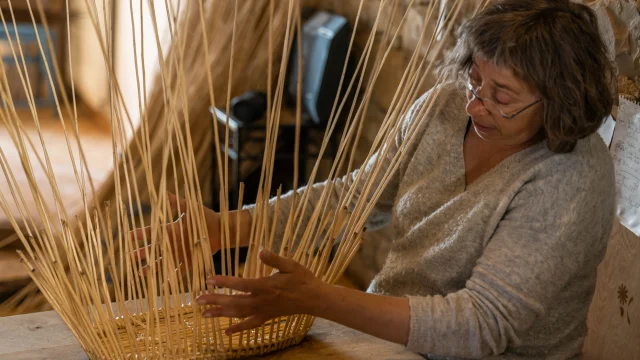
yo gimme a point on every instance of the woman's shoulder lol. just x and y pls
(584, 177)
(571, 196)
(589, 166)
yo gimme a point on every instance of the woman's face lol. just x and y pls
(502, 93)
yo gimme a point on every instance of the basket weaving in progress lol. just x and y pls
(86, 265)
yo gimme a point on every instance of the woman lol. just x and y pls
(501, 213)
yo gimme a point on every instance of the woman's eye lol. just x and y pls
(502, 99)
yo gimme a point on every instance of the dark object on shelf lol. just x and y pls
(246, 152)
(325, 44)
(249, 107)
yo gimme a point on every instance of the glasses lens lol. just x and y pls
(488, 103)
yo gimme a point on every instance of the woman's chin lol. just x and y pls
(485, 132)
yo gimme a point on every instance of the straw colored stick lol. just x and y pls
(163, 67)
(118, 287)
(85, 252)
(296, 151)
(415, 123)
(27, 87)
(373, 176)
(238, 229)
(333, 119)
(79, 179)
(274, 223)
(55, 95)
(191, 179)
(116, 87)
(378, 139)
(348, 171)
(225, 212)
(377, 65)
(74, 114)
(17, 196)
(42, 285)
(272, 125)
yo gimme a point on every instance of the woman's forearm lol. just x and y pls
(384, 317)
(244, 226)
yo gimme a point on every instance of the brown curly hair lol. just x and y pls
(555, 47)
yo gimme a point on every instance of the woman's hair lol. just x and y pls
(555, 47)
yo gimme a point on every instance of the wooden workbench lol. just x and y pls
(44, 336)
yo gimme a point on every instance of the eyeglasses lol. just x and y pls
(492, 105)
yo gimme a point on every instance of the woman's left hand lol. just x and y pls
(289, 291)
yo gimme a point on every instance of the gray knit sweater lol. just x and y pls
(504, 268)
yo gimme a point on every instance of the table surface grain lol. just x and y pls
(45, 336)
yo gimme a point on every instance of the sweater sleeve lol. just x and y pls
(381, 214)
(552, 229)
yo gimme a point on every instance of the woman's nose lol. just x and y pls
(475, 107)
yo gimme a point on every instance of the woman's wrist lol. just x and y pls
(244, 227)
(237, 223)
(381, 316)
(317, 300)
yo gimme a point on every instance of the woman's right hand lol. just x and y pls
(177, 234)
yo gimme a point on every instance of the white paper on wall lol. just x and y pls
(606, 130)
(625, 150)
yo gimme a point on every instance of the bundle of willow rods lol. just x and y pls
(83, 263)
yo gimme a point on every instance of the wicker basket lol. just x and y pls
(200, 338)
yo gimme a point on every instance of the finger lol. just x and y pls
(250, 323)
(144, 271)
(225, 300)
(227, 311)
(235, 283)
(176, 203)
(283, 264)
(141, 253)
(138, 234)
(175, 231)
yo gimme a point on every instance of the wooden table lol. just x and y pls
(44, 336)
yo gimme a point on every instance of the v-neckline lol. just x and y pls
(458, 152)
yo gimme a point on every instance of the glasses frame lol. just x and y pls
(474, 92)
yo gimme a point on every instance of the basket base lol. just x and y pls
(185, 334)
